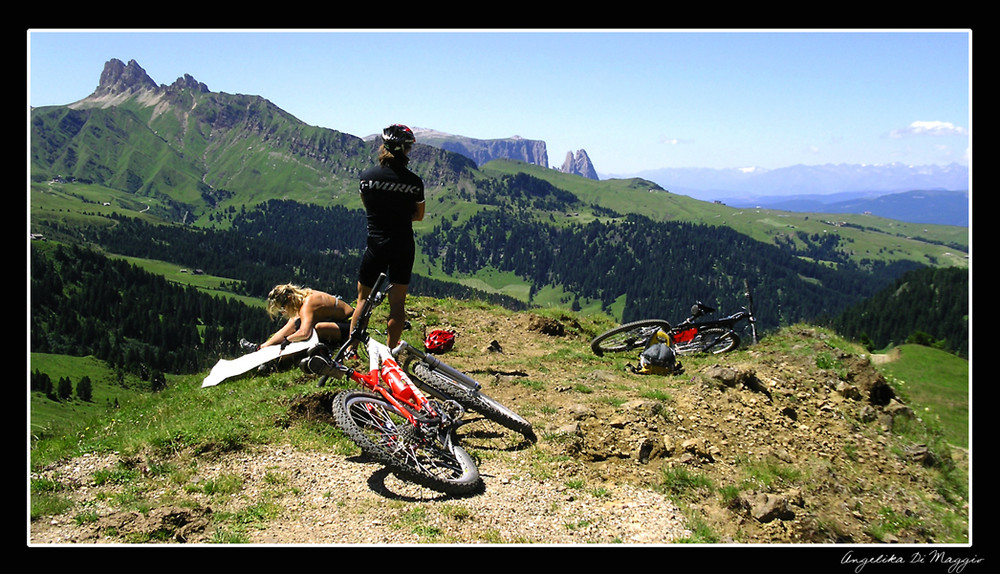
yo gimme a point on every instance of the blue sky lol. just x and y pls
(634, 100)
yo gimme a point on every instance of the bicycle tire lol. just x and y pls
(443, 387)
(713, 340)
(384, 434)
(626, 337)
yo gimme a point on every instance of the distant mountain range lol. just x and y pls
(713, 184)
(919, 194)
(928, 206)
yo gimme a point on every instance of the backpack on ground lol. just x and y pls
(658, 359)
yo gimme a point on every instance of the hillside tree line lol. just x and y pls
(661, 268)
(928, 306)
(84, 303)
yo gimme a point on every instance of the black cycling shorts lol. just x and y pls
(392, 257)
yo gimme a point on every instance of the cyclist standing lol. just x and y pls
(393, 197)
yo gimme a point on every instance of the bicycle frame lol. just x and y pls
(688, 329)
(385, 376)
(388, 379)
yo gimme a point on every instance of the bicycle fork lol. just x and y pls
(436, 364)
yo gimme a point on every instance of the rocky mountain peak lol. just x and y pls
(579, 164)
(484, 150)
(118, 78)
(187, 82)
(120, 81)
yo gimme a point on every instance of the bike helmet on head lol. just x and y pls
(396, 136)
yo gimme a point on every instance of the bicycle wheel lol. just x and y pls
(713, 340)
(411, 453)
(626, 337)
(441, 386)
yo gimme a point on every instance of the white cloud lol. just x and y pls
(929, 129)
(673, 141)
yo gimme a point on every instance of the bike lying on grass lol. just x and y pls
(391, 420)
(686, 338)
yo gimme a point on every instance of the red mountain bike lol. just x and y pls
(688, 337)
(390, 418)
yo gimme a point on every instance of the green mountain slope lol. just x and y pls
(200, 151)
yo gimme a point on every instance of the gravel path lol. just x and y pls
(329, 499)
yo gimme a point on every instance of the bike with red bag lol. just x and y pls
(688, 337)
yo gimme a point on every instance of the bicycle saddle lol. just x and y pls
(699, 309)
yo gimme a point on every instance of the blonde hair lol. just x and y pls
(284, 295)
(386, 156)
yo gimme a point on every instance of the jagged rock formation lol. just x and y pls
(117, 78)
(120, 82)
(579, 165)
(482, 151)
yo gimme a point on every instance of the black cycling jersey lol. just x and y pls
(390, 194)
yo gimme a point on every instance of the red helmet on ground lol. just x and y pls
(439, 341)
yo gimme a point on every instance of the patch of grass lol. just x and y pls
(456, 512)
(258, 512)
(533, 384)
(85, 517)
(415, 521)
(220, 486)
(578, 525)
(657, 395)
(891, 523)
(768, 472)
(120, 474)
(827, 362)
(227, 536)
(682, 483)
(186, 418)
(46, 499)
(701, 532)
(937, 385)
